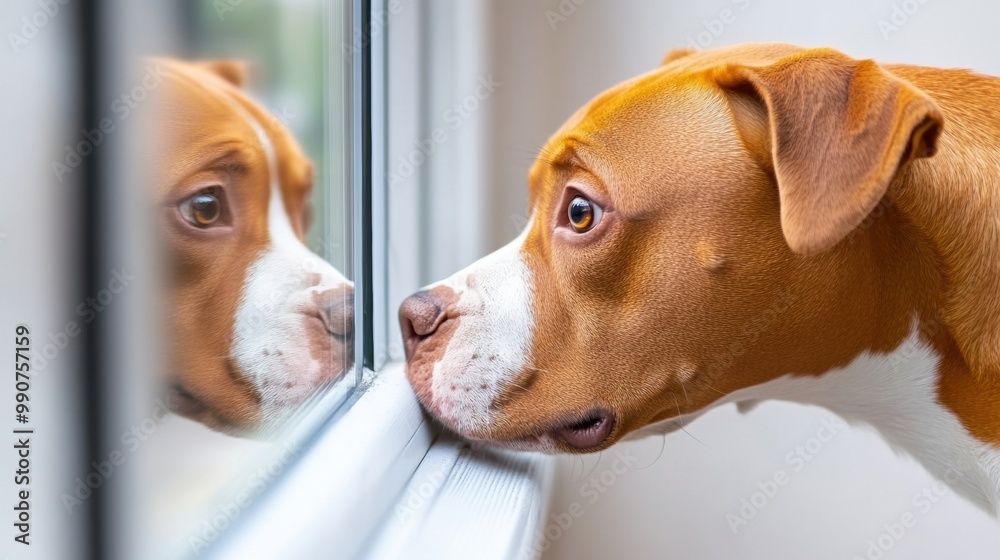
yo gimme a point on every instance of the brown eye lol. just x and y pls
(202, 209)
(583, 214)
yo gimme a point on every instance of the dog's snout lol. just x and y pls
(419, 316)
(336, 308)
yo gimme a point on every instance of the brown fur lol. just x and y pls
(792, 168)
(205, 141)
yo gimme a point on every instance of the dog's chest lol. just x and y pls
(896, 393)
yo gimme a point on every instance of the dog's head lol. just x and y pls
(258, 321)
(686, 240)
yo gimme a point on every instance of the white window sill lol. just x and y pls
(380, 483)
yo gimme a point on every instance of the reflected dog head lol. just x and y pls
(259, 322)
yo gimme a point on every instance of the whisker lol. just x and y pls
(681, 427)
(663, 445)
(598, 462)
(714, 389)
(525, 389)
(573, 471)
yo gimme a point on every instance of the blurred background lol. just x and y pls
(548, 57)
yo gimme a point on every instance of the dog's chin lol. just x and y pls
(535, 444)
(268, 416)
(184, 403)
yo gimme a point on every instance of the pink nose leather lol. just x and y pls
(419, 316)
(336, 309)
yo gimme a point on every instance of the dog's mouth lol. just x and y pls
(184, 403)
(587, 432)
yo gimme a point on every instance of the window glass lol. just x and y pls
(249, 167)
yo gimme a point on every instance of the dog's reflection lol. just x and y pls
(258, 321)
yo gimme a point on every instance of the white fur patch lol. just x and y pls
(895, 393)
(270, 339)
(491, 344)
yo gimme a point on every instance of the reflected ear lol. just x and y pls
(676, 54)
(838, 130)
(233, 71)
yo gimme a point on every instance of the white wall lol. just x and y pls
(673, 503)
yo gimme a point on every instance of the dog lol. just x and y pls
(761, 221)
(258, 322)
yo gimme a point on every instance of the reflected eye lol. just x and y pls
(202, 209)
(583, 214)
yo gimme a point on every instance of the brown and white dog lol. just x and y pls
(752, 222)
(259, 321)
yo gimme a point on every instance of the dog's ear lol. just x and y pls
(233, 71)
(837, 131)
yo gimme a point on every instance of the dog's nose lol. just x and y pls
(336, 308)
(419, 316)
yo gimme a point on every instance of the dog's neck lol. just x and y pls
(931, 251)
(938, 252)
(953, 201)
(953, 198)
(895, 393)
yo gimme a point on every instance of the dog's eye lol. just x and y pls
(202, 209)
(583, 214)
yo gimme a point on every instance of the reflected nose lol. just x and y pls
(419, 316)
(336, 309)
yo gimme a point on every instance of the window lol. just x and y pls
(293, 315)
(241, 123)
(234, 182)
